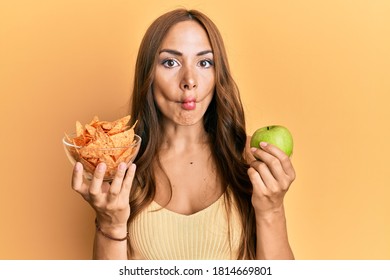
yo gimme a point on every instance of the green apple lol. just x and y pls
(276, 135)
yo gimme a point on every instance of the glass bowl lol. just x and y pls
(90, 157)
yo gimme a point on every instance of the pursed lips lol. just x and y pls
(188, 103)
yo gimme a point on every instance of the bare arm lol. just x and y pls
(271, 173)
(111, 204)
(272, 240)
(105, 249)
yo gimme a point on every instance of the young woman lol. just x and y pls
(199, 191)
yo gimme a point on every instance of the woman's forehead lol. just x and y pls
(186, 34)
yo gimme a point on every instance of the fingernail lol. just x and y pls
(77, 166)
(253, 149)
(122, 166)
(263, 144)
(101, 166)
(132, 167)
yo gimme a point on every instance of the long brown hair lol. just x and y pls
(224, 121)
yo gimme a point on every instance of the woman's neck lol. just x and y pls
(180, 137)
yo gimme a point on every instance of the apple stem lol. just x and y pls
(267, 127)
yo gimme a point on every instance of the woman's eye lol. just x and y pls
(206, 63)
(170, 63)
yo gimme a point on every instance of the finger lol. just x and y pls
(266, 175)
(256, 181)
(283, 158)
(272, 162)
(77, 176)
(118, 179)
(97, 180)
(128, 181)
(78, 181)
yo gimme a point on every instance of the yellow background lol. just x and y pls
(321, 68)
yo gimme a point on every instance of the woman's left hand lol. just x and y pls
(271, 173)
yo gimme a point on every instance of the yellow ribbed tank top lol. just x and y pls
(160, 234)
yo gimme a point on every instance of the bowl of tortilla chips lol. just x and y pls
(102, 141)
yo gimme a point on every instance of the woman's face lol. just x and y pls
(184, 76)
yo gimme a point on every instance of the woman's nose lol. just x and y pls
(188, 81)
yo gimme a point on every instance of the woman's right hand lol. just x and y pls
(109, 200)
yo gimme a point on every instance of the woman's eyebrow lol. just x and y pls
(177, 53)
(170, 51)
(204, 52)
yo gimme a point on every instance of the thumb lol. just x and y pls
(248, 155)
